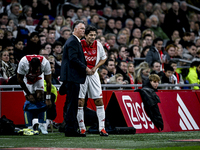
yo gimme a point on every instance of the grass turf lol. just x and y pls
(158, 141)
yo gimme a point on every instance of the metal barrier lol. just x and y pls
(104, 86)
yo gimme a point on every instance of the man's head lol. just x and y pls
(94, 18)
(51, 38)
(129, 23)
(57, 47)
(137, 33)
(19, 44)
(175, 34)
(35, 65)
(4, 18)
(107, 11)
(158, 42)
(44, 53)
(29, 20)
(111, 23)
(103, 72)
(110, 65)
(123, 66)
(175, 6)
(121, 39)
(149, 39)
(79, 28)
(192, 49)
(43, 39)
(111, 39)
(154, 21)
(173, 64)
(122, 52)
(66, 34)
(15, 8)
(90, 34)
(169, 70)
(156, 66)
(154, 80)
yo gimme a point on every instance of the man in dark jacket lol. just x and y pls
(156, 53)
(73, 73)
(151, 100)
(176, 19)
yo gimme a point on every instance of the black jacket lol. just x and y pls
(73, 67)
(153, 56)
(150, 100)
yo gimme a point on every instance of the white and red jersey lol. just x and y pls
(24, 65)
(94, 53)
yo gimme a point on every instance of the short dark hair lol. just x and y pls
(3, 14)
(106, 63)
(35, 63)
(57, 43)
(120, 62)
(168, 68)
(155, 62)
(76, 23)
(18, 40)
(156, 40)
(90, 28)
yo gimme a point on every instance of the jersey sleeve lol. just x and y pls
(47, 67)
(22, 66)
(102, 51)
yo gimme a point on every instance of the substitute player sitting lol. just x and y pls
(32, 71)
(95, 57)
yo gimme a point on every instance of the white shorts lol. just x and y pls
(39, 85)
(92, 85)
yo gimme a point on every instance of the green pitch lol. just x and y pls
(158, 141)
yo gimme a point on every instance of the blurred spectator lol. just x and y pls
(58, 22)
(174, 35)
(149, 39)
(35, 9)
(142, 74)
(78, 14)
(156, 53)
(44, 52)
(3, 18)
(7, 71)
(194, 71)
(33, 44)
(110, 26)
(156, 29)
(121, 39)
(111, 40)
(178, 79)
(122, 69)
(145, 51)
(51, 38)
(43, 39)
(156, 69)
(117, 79)
(134, 52)
(44, 7)
(94, 20)
(26, 12)
(170, 49)
(103, 75)
(110, 65)
(191, 53)
(48, 47)
(107, 12)
(122, 54)
(43, 23)
(176, 19)
(135, 41)
(185, 40)
(18, 50)
(22, 31)
(14, 15)
(131, 73)
(129, 23)
(137, 33)
(168, 76)
(64, 36)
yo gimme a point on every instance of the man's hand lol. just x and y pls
(30, 98)
(93, 70)
(48, 103)
(88, 71)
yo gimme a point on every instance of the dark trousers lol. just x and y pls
(71, 107)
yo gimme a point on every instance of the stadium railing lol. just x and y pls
(104, 86)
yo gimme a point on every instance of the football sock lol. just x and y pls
(80, 118)
(101, 116)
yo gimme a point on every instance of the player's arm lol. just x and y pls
(29, 96)
(101, 62)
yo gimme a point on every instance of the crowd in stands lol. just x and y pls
(140, 37)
